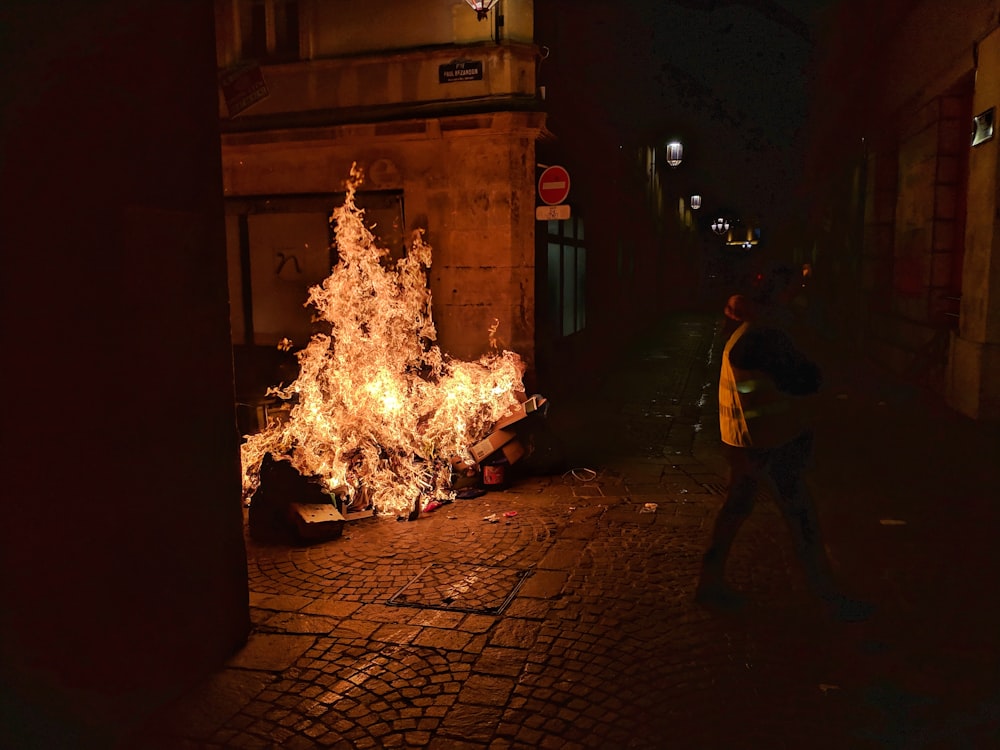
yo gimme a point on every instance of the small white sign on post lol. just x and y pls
(552, 213)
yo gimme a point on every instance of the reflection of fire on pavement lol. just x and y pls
(378, 415)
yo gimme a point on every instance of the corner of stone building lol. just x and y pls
(973, 381)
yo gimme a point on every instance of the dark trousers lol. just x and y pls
(782, 467)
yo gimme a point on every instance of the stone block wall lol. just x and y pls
(467, 181)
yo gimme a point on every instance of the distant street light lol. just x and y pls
(675, 153)
(695, 202)
(720, 226)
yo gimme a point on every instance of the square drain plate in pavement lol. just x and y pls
(480, 589)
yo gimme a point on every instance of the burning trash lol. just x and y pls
(379, 416)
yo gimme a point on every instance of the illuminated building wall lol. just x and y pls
(438, 109)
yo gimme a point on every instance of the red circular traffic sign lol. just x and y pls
(553, 185)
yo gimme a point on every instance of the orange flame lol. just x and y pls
(378, 412)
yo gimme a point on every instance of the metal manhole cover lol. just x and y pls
(480, 589)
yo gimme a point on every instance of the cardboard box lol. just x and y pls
(491, 444)
(513, 451)
(316, 522)
(521, 411)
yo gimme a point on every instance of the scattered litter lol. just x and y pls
(432, 506)
(491, 518)
(649, 508)
(510, 514)
(581, 475)
(470, 493)
(892, 522)
(827, 688)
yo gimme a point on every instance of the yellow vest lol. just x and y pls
(753, 413)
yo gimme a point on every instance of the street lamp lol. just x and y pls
(675, 152)
(720, 226)
(482, 7)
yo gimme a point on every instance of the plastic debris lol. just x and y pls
(431, 506)
(510, 514)
(469, 494)
(649, 508)
(581, 475)
(491, 518)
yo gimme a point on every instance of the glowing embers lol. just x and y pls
(480, 589)
(378, 412)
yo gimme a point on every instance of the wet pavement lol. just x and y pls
(570, 621)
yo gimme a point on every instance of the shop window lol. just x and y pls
(566, 275)
(281, 246)
(269, 29)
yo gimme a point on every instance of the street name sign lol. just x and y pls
(460, 70)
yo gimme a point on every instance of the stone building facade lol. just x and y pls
(909, 240)
(123, 568)
(440, 111)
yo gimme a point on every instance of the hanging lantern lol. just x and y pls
(695, 202)
(720, 226)
(482, 7)
(675, 152)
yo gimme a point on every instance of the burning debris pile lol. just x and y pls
(378, 414)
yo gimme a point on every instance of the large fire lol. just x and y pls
(378, 413)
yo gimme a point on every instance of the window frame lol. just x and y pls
(566, 276)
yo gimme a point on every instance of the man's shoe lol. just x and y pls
(720, 597)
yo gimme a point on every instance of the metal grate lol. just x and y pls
(479, 589)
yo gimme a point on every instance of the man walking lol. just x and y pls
(766, 439)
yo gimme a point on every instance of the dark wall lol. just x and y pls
(121, 548)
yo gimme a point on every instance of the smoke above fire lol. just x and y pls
(378, 413)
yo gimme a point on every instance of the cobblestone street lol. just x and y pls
(570, 622)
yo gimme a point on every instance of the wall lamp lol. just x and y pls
(482, 7)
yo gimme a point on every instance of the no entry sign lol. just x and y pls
(553, 185)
